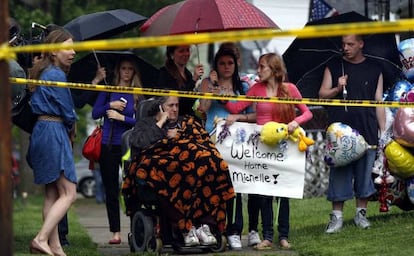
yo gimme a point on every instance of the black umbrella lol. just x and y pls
(101, 25)
(305, 59)
(84, 70)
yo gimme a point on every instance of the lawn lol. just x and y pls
(27, 221)
(390, 234)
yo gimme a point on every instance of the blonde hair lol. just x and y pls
(136, 78)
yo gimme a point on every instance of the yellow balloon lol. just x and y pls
(400, 160)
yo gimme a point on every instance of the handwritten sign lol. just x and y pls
(256, 168)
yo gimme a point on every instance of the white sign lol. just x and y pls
(256, 168)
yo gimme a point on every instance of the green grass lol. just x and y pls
(27, 219)
(390, 234)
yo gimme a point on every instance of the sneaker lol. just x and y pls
(234, 242)
(205, 236)
(191, 239)
(334, 225)
(361, 220)
(253, 238)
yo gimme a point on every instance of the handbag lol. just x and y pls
(92, 147)
(22, 115)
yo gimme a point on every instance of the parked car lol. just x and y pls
(86, 182)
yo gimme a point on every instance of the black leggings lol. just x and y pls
(110, 162)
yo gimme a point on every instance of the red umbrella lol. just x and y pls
(205, 15)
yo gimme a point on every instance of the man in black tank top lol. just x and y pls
(354, 77)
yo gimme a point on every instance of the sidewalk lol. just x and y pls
(93, 217)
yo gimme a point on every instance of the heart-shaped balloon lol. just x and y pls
(403, 127)
(400, 160)
(343, 145)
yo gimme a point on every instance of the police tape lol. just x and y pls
(239, 35)
(201, 95)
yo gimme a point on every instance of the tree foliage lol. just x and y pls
(60, 12)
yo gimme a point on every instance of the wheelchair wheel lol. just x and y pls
(131, 247)
(154, 245)
(142, 231)
(221, 244)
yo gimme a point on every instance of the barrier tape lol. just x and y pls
(201, 95)
(5, 54)
(199, 38)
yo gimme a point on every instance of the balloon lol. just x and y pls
(400, 160)
(343, 145)
(406, 48)
(398, 90)
(403, 127)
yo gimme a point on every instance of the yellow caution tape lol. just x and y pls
(201, 95)
(6, 53)
(248, 34)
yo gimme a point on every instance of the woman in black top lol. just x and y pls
(175, 75)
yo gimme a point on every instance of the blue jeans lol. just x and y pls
(99, 186)
(235, 216)
(283, 219)
(353, 179)
(264, 205)
(63, 228)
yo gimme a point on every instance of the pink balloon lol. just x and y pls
(403, 127)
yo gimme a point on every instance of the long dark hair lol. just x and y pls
(236, 82)
(172, 68)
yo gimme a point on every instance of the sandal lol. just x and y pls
(284, 244)
(264, 245)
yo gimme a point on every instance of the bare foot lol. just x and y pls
(57, 250)
(284, 244)
(36, 247)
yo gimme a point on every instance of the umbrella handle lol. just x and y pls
(99, 64)
(344, 91)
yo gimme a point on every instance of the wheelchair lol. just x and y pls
(151, 229)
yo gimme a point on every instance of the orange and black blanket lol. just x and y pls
(189, 171)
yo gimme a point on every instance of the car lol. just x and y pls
(86, 181)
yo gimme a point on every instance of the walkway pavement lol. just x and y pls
(93, 217)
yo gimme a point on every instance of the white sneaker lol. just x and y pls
(191, 239)
(205, 236)
(334, 225)
(234, 242)
(361, 220)
(253, 238)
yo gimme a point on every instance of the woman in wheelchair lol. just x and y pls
(175, 157)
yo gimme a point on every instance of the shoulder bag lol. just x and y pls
(22, 115)
(92, 147)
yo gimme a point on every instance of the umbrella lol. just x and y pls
(101, 25)
(205, 16)
(305, 59)
(84, 70)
